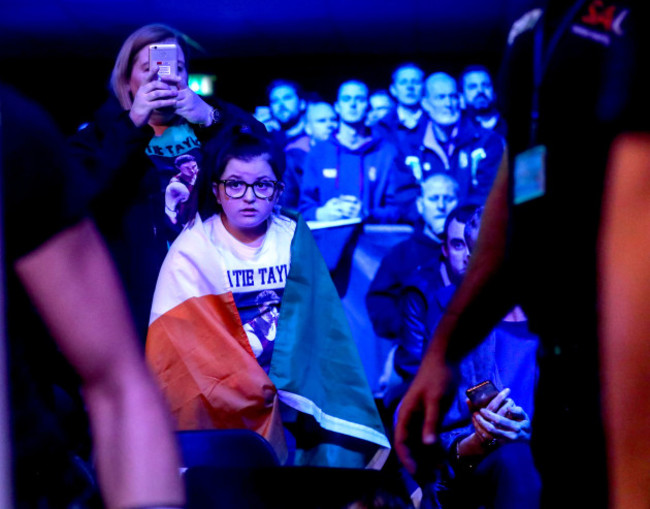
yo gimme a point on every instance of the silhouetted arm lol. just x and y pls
(74, 286)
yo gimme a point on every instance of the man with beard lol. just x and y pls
(479, 99)
(287, 108)
(453, 144)
(576, 89)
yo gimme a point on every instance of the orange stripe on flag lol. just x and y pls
(203, 361)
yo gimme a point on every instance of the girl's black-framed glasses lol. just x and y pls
(262, 188)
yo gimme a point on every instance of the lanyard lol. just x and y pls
(541, 58)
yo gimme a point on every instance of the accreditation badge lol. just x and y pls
(530, 175)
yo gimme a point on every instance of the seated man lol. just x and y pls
(439, 196)
(452, 143)
(320, 122)
(479, 99)
(490, 462)
(287, 108)
(381, 105)
(404, 126)
(418, 302)
(353, 174)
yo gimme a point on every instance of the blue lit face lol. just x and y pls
(478, 91)
(352, 102)
(455, 251)
(438, 199)
(321, 121)
(285, 104)
(443, 101)
(407, 87)
(380, 106)
(246, 217)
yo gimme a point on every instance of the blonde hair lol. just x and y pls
(148, 34)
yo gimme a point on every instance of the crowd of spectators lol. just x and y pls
(411, 154)
(424, 152)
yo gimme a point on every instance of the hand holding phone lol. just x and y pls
(165, 57)
(481, 394)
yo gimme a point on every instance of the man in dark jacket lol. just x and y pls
(353, 174)
(452, 143)
(439, 197)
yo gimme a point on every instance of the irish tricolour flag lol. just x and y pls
(316, 387)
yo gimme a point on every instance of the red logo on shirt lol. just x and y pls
(598, 14)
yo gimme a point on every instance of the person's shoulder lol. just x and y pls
(474, 132)
(299, 144)
(283, 223)
(387, 123)
(322, 152)
(321, 147)
(383, 145)
(196, 232)
(231, 114)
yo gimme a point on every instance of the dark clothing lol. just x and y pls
(501, 126)
(589, 92)
(49, 428)
(422, 300)
(370, 172)
(382, 299)
(507, 357)
(505, 477)
(128, 194)
(472, 157)
(295, 154)
(406, 140)
(282, 140)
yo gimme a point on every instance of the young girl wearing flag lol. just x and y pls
(246, 328)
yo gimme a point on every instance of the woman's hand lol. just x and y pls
(154, 94)
(189, 105)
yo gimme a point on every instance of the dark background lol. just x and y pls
(61, 52)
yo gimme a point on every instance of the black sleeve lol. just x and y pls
(293, 178)
(39, 178)
(413, 335)
(230, 116)
(109, 149)
(382, 299)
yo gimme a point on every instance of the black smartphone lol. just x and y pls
(480, 395)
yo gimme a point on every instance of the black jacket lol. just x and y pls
(127, 202)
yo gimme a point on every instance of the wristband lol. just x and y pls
(213, 118)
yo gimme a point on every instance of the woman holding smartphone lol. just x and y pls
(133, 150)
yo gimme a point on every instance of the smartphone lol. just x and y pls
(480, 395)
(164, 56)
